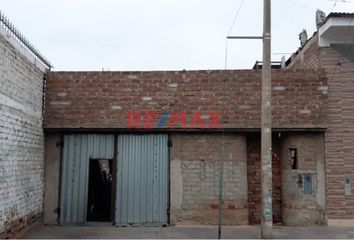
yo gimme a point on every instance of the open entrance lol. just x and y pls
(132, 190)
(99, 191)
(86, 166)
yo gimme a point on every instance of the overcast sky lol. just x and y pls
(160, 34)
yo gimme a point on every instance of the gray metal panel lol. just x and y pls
(307, 183)
(78, 149)
(142, 180)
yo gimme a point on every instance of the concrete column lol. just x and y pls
(51, 179)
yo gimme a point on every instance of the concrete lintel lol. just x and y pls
(335, 22)
(68, 129)
(336, 30)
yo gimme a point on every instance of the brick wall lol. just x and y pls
(103, 99)
(291, 206)
(254, 180)
(21, 139)
(308, 57)
(340, 133)
(195, 162)
(339, 137)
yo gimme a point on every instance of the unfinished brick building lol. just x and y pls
(144, 148)
(84, 105)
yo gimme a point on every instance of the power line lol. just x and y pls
(282, 53)
(226, 53)
(342, 1)
(237, 13)
(228, 33)
(222, 150)
(302, 5)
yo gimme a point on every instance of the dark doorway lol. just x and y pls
(99, 190)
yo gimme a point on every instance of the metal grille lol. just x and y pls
(4, 21)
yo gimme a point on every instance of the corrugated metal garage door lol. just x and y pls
(142, 180)
(78, 149)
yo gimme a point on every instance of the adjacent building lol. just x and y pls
(21, 131)
(331, 48)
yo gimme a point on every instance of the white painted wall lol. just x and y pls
(21, 135)
(337, 30)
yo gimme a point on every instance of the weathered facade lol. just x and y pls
(136, 103)
(102, 100)
(145, 148)
(336, 59)
(21, 135)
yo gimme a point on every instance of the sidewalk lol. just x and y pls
(185, 232)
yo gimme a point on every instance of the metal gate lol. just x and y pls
(142, 180)
(78, 149)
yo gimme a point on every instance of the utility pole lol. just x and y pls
(266, 134)
(266, 119)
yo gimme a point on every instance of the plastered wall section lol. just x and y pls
(194, 176)
(303, 205)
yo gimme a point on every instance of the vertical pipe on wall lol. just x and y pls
(221, 179)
